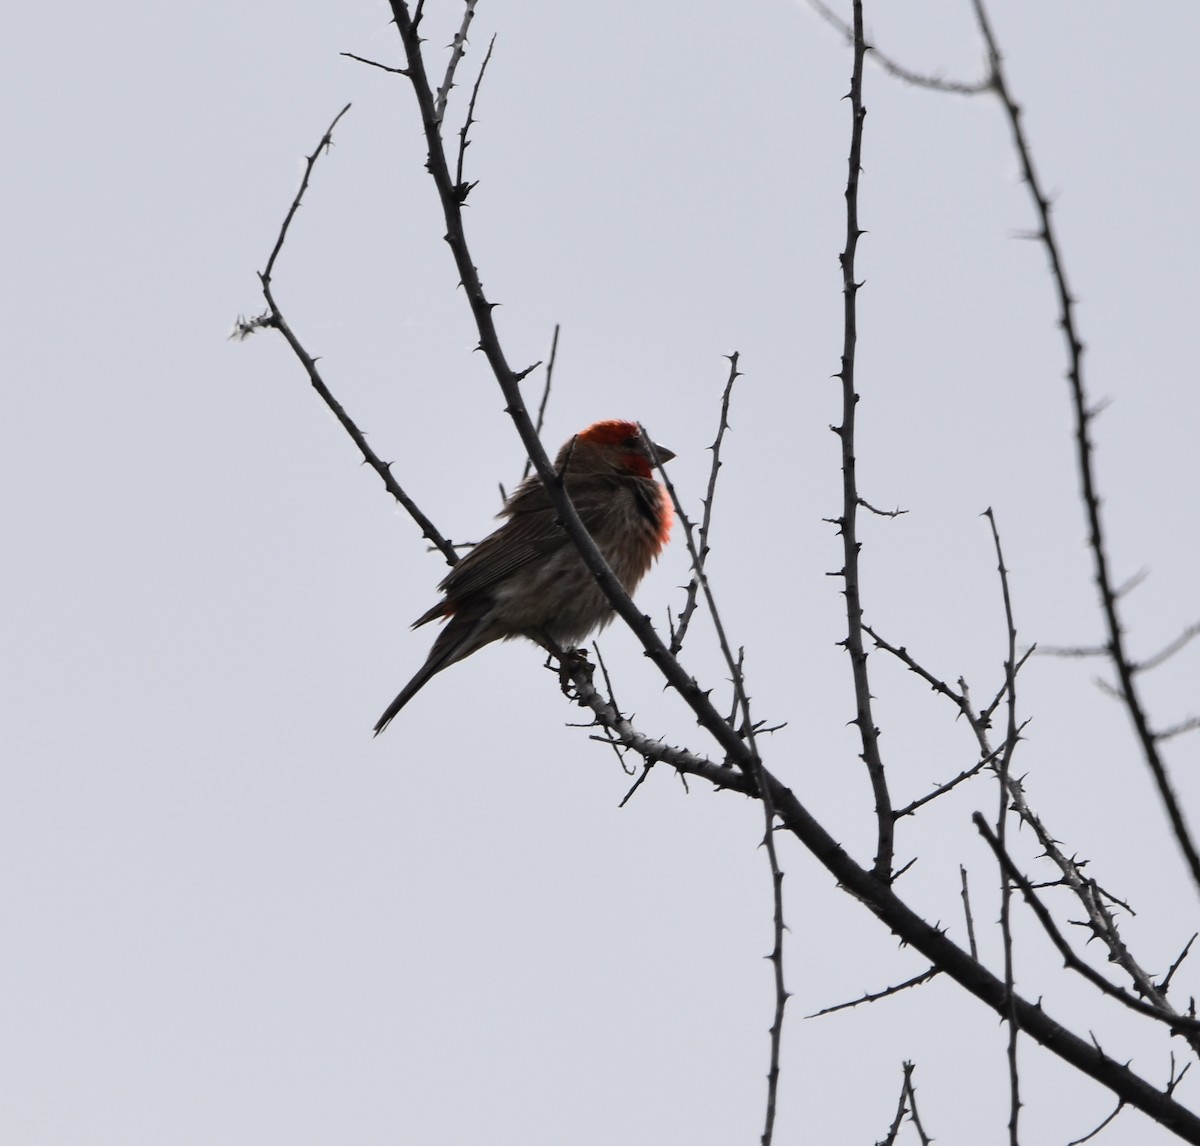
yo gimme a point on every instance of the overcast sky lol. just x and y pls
(231, 916)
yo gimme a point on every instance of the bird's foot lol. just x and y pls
(572, 663)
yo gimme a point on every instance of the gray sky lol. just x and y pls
(230, 915)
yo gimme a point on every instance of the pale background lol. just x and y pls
(229, 915)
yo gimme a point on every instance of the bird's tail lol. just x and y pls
(461, 637)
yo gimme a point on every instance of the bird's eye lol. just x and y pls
(631, 444)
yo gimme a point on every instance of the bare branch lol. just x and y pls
(323, 146)
(702, 549)
(1173, 730)
(911, 1091)
(874, 997)
(966, 898)
(917, 79)
(942, 789)
(1130, 583)
(274, 318)
(1165, 985)
(608, 717)
(881, 512)
(741, 702)
(608, 737)
(901, 1111)
(1176, 1079)
(1100, 920)
(1169, 651)
(1092, 1133)
(1079, 651)
(1003, 769)
(848, 522)
(986, 714)
(541, 414)
(1084, 453)
(375, 64)
(1176, 1021)
(902, 654)
(747, 730)
(637, 783)
(458, 47)
(461, 188)
(776, 959)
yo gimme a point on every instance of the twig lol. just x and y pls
(1164, 987)
(1177, 1022)
(1173, 730)
(375, 64)
(966, 898)
(942, 789)
(1130, 583)
(696, 556)
(608, 737)
(1168, 651)
(1092, 1133)
(746, 730)
(1084, 452)
(326, 144)
(898, 1118)
(875, 996)
(915, 1118)
(775, 957)
(917, 79)
(986, 714)
(1176, 1079)
(463, 189)
(458, 47)
(1078, 651)
(274, 318)
(541, 414)
(880, 512)
(1004, 767)
(690, 601)
(1100, 919)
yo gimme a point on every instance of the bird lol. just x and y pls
(527, 579)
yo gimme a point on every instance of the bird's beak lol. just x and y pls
(664, 455)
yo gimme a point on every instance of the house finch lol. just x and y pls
(527, 579)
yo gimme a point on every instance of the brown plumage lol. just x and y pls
(526, 579)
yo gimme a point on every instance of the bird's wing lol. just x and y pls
(525, 537)
(530, 534)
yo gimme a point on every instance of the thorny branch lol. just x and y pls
(541, 414)
(701, 549)
(458, 47)
(1084, 414)
(1100, 920)
(970, 919)
(1004, 771)
(273, 317)
(747, 730)
(1179, 1023)
(1096, 1130)
(874, 997)
(463, 189)
(847, 523)
(917, 79)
